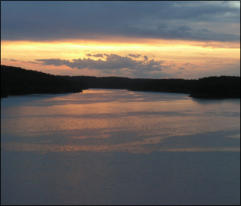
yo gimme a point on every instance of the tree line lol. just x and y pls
(18, 81)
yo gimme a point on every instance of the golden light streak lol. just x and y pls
(25, 50)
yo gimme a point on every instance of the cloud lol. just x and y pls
(112, 64)
(197, 20)
(134, 55)
(96, 55)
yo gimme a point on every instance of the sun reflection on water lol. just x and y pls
(116, 120)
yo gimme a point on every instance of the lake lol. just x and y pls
(119, 147)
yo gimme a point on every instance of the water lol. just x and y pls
(119, 147)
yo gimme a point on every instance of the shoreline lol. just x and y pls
(18, 81)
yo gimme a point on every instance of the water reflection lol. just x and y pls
(115, 147)
(119, 120)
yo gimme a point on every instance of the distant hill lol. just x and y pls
(15, 81)
(18, 81)
(217, 87)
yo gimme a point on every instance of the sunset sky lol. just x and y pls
(166, 39)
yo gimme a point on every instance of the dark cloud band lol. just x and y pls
(204, 21)
(112, 63)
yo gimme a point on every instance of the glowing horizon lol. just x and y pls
(181, 53)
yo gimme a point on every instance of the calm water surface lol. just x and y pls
(119, 147)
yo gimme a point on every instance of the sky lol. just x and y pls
(162, 39)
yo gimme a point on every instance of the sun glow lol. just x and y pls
(179, 54)
(26, 50)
